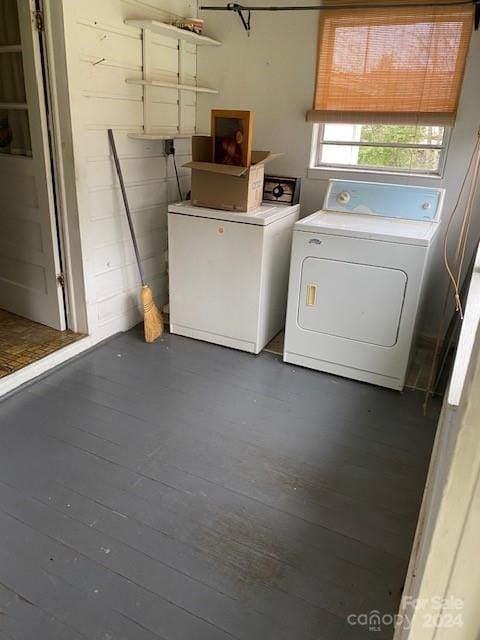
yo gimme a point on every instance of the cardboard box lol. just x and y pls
(222, 186)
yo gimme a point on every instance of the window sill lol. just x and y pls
(325, 173)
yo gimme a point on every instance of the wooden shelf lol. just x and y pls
(170, 85)
(169, 31)
(14, 106)
(164, 136)
(11, 48)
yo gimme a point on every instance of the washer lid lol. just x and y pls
(353, 225)
(263, 216)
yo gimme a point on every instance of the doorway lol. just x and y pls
(33, 319)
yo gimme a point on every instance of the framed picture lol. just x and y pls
(232, 133)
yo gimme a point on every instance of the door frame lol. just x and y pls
(63, 167)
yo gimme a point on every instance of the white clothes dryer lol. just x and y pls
(356, 278)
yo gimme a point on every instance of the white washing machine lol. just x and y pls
(356, 277)
(228, 273)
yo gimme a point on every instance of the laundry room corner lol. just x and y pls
(271, 69)
(239, 320)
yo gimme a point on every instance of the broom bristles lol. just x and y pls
(152, 318)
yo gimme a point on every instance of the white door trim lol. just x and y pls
(64, 167)
(14, 380)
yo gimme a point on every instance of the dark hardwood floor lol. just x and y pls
(185, 491)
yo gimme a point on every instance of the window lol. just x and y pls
(14, 125)
(381, 147)
(401, 65)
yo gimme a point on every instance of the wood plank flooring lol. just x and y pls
(185, 491)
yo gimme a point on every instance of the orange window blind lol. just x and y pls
(396, 65)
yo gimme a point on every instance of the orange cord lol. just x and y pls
(454, 281)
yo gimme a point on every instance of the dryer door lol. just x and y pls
(348, 300)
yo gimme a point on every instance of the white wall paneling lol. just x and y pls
(102, 53)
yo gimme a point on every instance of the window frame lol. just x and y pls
(317, 165)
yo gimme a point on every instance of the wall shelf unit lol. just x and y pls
(172, 85)
(149, 83)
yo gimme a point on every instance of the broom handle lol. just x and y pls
(125, 202)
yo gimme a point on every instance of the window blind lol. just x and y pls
(398, 65)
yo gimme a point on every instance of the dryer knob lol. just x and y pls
(343, 197)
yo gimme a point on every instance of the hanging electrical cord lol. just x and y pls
(170, 151)
(178, 179)
(457, 266)
(463, 234)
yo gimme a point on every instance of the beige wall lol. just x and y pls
(272, 72)
(101, 53)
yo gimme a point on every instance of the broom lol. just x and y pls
(152, 318)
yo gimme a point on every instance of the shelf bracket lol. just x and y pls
(243, 13)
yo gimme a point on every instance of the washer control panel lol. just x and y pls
(386, 200)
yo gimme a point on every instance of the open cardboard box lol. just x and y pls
(223, 186)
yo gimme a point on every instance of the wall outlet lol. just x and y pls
(169, 146)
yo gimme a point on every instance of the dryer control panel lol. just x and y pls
(386, 200)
